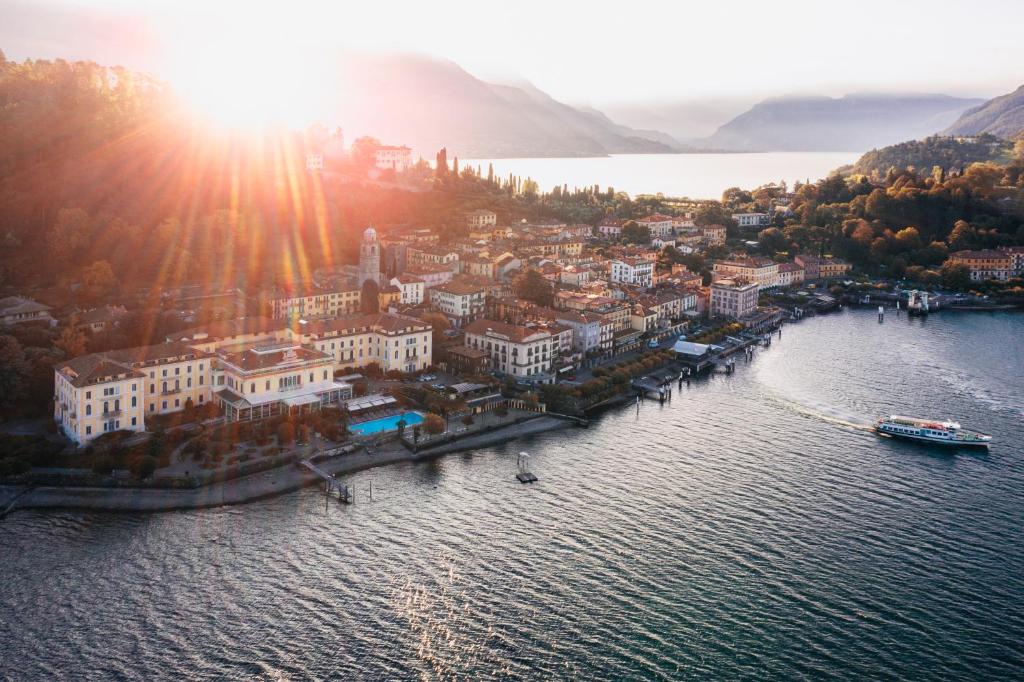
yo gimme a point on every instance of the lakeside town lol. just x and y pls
(433, 338)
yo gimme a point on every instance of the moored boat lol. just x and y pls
(930, 431)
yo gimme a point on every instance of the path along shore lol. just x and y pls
(256, 486)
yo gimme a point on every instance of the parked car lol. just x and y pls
(653, 343)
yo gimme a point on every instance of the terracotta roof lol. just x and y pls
(512, 332)
(387, 323)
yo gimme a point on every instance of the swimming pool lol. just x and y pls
(386, 424)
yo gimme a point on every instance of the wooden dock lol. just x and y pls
(331, 482)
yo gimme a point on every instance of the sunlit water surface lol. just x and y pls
(751, 528)
(698, 176)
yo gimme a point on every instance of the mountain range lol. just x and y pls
(428, 104)
(849, 123)
(1001, 116)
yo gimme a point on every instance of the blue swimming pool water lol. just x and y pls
(386, 423)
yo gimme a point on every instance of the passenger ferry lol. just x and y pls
(930, 431)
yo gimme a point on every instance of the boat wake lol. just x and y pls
(827, 414)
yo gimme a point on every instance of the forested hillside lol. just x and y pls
(946, 153)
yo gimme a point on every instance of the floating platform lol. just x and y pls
(526, 477)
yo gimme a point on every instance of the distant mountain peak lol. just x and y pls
(1002, 116)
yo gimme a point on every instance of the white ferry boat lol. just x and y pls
(930, 431)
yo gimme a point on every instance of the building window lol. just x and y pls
(88, 430)
(88, 395)
(88, 410)
(134, 401)
(133, 421)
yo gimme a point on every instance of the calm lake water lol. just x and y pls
(698, 176)
(751, 528)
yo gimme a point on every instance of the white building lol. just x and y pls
(411, 287)
(459, 301)
(658, 224)
(635, 271)
(750, 219)
(397, 158)
(519, 351)
(480, 218)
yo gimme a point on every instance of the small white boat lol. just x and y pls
(930, 431)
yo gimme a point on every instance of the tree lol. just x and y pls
(13, 371)
(369, 297)
(532, 286)
(286, 433)
(99, 280)
(955, 276)
(364, 151)
(772, 240)
(433, 423)
(439, 325)
(69, 234)
(635, 233)
(72, 340)
(143, 467)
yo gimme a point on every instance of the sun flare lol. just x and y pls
(251, 79)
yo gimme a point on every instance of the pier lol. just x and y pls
(330, 482)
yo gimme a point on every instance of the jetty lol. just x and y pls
(330, 482)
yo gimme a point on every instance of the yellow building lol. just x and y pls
(115, 390)
(283, 378)
(394, 342)
(314, 303)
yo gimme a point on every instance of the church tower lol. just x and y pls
(369, 257)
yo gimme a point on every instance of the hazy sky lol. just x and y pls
(580, 52)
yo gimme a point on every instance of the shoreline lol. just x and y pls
(258, 486)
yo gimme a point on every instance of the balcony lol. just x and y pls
(111, 415)
(170, 391)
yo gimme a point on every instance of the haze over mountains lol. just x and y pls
(850, 123)
(428, 103)
(1002, 116)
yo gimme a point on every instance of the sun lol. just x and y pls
(250, 79)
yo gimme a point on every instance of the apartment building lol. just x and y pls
(660, 226)
(713, 235)
(522, 352)
(305, 303)
(751, 219)
(790, 274)
(733, 298)
(394, 342)
(426, 254)
(431, 275)
(481, 218)
(460, 301)
(984, 264)
(390, 157)
(412, 289)
(611, 229)
(635, 271)
(761, 271)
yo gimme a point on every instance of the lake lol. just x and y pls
(698, 176)
(751, 528)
